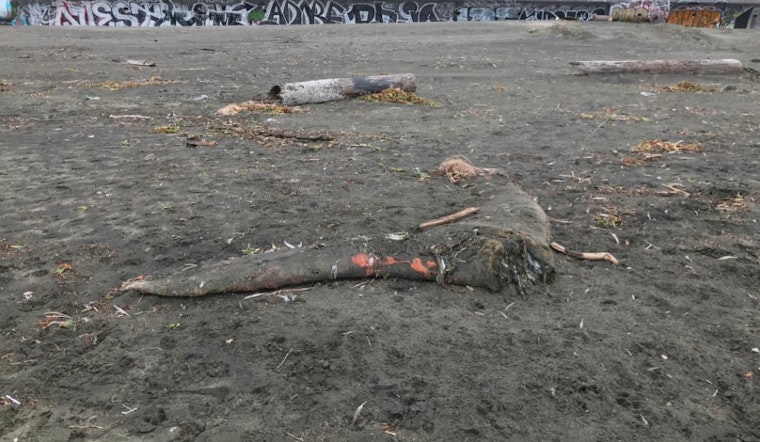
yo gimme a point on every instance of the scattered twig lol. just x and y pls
(617, 241)
(57, 318)
(120, 311)
(646, 423)
(590, 256)
(294, 436)
(200, 143)
(261, 107)
(129, 410)
(86, 427)
(277, 292)
(676, 189)
(284, 359)
(357, 412)
(277, 133)
(130, 117)
(145, 63)
(450, 218)
(591, 134)
(576, 178)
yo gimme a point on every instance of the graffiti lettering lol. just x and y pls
(630, 15)
(280, 12)
(557, 12)
(702, 18)
(640, 11)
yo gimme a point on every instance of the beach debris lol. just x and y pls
(676, 188)
(612, 115)
(197, 140)
(649, 150)
(503, 244)
(261, 134)
(62, 320)
(397, 95)
(649, 146)
(698, 66)
(120, 311)
(284, 359)
(733, 205)
(610, 217)
(590, 256)
(397, 236)
(300, 439)
(390, 430)
(262, 107)
(168, 129)
(130, 117)
(331, 89)
(357, 413)
(119, 85)
(458, 167)
(454, 217)
(13, 400)
(62, 268)
(684, 86)
(144, 63)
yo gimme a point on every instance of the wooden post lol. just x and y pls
(320, 91)
(705, 66)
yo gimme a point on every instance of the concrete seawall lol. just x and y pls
(740, 14)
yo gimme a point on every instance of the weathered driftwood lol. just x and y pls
(704, 66)
(320, 91)
(506, 244)
(454, 217)
(590, 256)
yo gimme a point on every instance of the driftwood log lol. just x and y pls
(705, 66)
(504, 246)
(320, 91)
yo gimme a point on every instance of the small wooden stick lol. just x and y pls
(450, 218)
(590, 256)
(284, 359)
(357, 412)
(676, 189)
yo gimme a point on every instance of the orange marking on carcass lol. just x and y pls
(365, 261)
(361, 259)
(423, 268)
(389, 260)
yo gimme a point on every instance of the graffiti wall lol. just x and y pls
(640, 11)
(290, 12)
